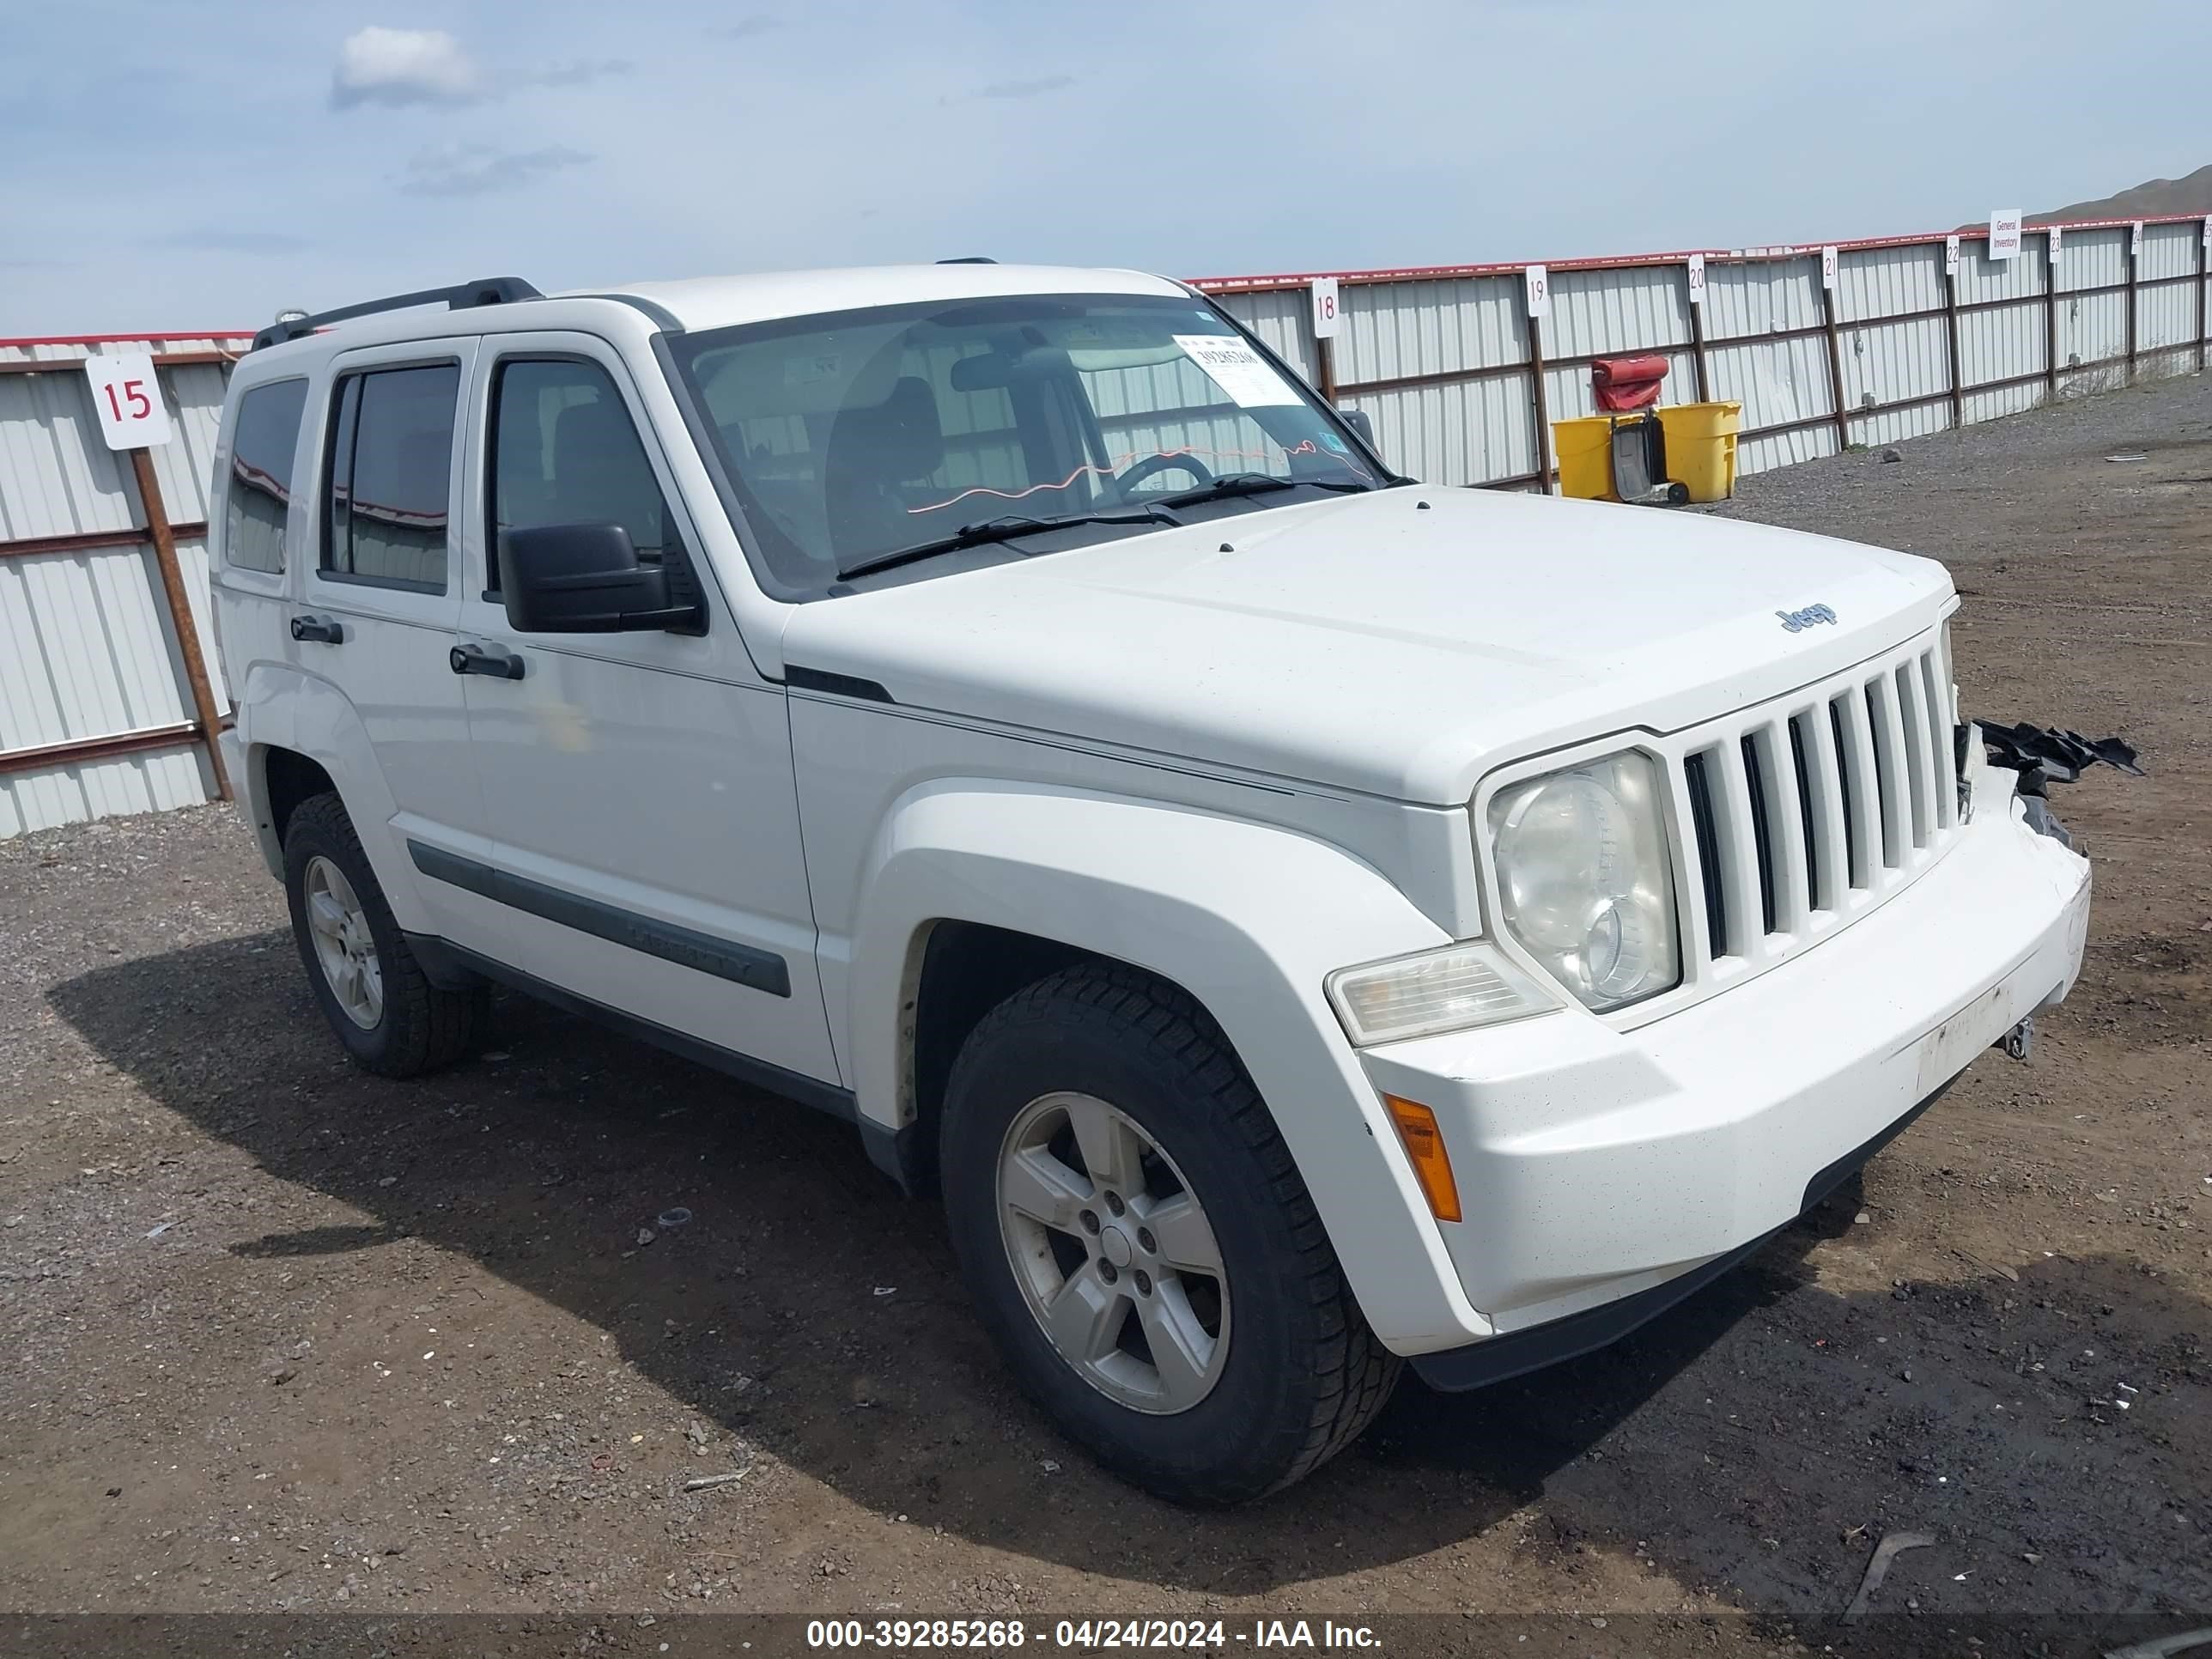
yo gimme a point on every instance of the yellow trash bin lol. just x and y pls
(1700, 447)
(1583, 449)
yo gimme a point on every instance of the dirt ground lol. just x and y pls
(283, 1339)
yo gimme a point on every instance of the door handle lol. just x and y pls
(495, 660)
(328, 630)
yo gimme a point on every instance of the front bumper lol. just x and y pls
(1598, 1165)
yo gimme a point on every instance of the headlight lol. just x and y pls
(1584, 883)
(1449, 989)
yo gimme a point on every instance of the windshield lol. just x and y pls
(849, 440)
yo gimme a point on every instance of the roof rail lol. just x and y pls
(488, 291)
(970, 259)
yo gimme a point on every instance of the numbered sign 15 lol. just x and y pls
(1326, 316)
(129, 400)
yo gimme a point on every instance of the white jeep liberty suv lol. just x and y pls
(1298, 918)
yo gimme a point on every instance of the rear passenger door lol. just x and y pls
(381, 599)
(638, 786)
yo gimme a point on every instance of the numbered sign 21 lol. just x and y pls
(1326, 315)
(128, 399)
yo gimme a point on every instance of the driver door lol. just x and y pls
(638, 786)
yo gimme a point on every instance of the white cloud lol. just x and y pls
(482, 169)
(402, 66)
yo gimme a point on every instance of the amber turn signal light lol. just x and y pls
(1417, 1128)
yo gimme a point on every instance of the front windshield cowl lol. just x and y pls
(859, 440)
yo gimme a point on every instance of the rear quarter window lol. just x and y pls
(257, 495)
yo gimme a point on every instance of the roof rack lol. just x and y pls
(488, 291)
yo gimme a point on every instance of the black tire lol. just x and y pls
(422, 1028)
(1303, 1374)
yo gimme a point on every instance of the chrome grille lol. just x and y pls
(1801, 813)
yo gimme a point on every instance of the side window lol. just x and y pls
(259, 496)
(391, 453)
(564, 451)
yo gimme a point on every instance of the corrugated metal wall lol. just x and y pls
(1441, 359)
(87, 649)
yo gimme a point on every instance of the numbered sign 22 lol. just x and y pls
(1539, 291)
(1327, 317)
(129, 400)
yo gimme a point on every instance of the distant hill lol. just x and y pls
(2192, 194)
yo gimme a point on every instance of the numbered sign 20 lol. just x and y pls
(128, 399)
(1326, 316)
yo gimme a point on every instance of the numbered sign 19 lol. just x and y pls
(1539, 291)
(1326, 317)
(128, 399)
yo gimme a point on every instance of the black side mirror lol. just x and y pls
(584, 579)
(1360, 421)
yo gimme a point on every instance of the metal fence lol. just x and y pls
(101, 555)
(1858, 343)
(102, 709)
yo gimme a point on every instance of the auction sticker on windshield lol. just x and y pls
(1233, 366)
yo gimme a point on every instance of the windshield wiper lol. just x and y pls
(996, 530)
(1256, 483)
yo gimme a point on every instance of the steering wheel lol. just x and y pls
(1123, 482)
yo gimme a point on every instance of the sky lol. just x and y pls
(167, 165)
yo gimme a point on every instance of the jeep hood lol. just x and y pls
(1399, 643)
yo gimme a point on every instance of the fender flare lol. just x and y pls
(282, 706)
(1248, 918)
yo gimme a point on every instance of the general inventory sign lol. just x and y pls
(2004, 233)
(128, 399)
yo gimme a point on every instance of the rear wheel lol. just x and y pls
(1140, 1245)
(372, 990)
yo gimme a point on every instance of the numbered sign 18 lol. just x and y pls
(129, 400)
(1539, 291)
(1326, 317)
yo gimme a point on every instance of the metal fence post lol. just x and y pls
(2050, 320)
(2132, 263)
(2203, 270)
(1951, 321)
(180, 613)
(1698, 341)
(1539, 397)
(1835, 364)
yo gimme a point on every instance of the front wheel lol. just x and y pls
(1141, 1247)
(371, 988)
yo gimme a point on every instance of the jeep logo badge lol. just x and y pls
(1798, 621)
